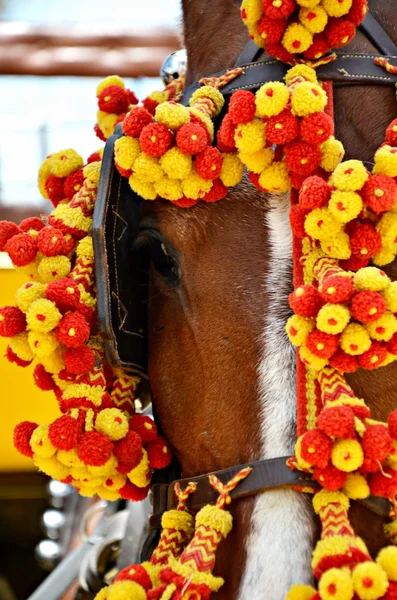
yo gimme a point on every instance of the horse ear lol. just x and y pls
(121, 276)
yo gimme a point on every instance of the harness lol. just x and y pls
(122, 322)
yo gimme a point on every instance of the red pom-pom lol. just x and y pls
(209, 163)
(383, 484)
(73, 183)
(64, 293)
(145, 427)
(377, 442)
(278, 10)
(94, 449)
(31, 223)
(54, 188)
(282, 128)
(339, 32)
(355, 262)
(51, 241)
(322, 344)
(14, 358)
(155, 139)
(305, 301)
(225, 135)
(316, 448)
(254, 178)
(297, 217)
(12, 321)
(319, 47)
(217, 192)
(65, 432)
(392, 344)
(79, 360)
(191, 138)
(278, 51)
(344, 362)
(94, 157)
(337, 421)
(22, 434)
(380, 193)
(314, 193)
(302, 158)
(365, 241)
(271, 30)
(368, 306)
(99, 133)
(135, 573)
(7, 231)
(73, 330)
(123, 172)
(136, 120)
(358, 11)
(128, 451)
(113, 99)
(369, 466)
(336, 289)
(317, 128)
(242, 107)
(133, 493)
(391, 133)
(159, 453)
(22, 249)
(185, 202)
(330, 477)
(43, 379)
(392, 422)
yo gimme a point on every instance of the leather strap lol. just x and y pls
(249, 54)
(378, 36)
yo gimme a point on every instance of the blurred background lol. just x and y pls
(52, 55)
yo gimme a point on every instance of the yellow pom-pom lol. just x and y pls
(384, 257)
(85, 247)
(43, 315)
(386, 161)
(308, 98)
(172, 116)
(52, 268)
(140, 475)
(257, 161)
(44, 173)
(337, 247)
(311, 360)
(111, 80)
(336, 584)
(370, 279)
(69, 458)
(332, 153)
(167, 188)
(370, 581)
(215, 518)
(276, 178)
(387, 229)
(308, 3)
(103, 594)
(314, 19)
(298, 454)
(384, 328)
(251, 11)
(28, 293)
(355, 339)
(106, 470)
(250, 137)
(65, 162)
(333, 318)
(113, 423)
(321, 224)
(301, 72)
(345, 206)
(213, 94)
(297, 38)
(271, 99)
(51, 467)
(147, 168)
(232, 169)
(337, 8)
(194, 186)
(40, 442)
(387, 559)
(123, 590)
(107, 123)
(298, 328)
(126, 151)
(106, 494)
(53, 363)
(145, 190)
(176, 164)
(177, 519)
(42, 344)
(19, 344)
(347, 455)
(301, 592)
(390, 296)
(356, 487)
(350, 176)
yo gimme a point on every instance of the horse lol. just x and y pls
(221, 369)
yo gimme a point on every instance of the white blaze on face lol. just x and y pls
(279, 543)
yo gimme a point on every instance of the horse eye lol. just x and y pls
(163, 261)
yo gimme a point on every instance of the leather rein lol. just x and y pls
(268, 474)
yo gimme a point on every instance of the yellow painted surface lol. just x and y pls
(20, 399)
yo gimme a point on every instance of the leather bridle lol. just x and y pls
(346, 69)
